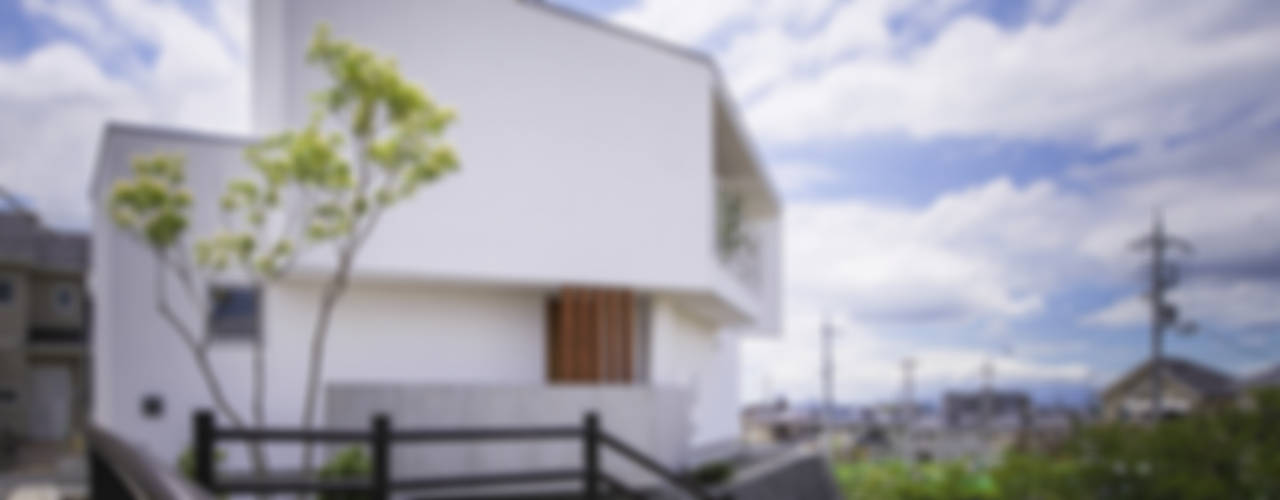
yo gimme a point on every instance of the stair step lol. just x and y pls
(544, 495)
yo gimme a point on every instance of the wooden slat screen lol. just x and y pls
(590, 335)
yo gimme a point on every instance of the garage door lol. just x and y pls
(49, 398)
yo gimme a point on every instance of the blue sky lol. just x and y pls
(962, 176)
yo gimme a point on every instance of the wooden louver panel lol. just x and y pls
(590, 335)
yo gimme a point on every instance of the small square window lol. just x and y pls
(64, 299)
(235, 313)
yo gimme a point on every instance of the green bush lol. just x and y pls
(1228, 453)
(350, 463)
(187, 461)
(713, 473)
(900, 481)
(1037, 477)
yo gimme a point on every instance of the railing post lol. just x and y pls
(591, 456)
(380, 449)
(203, 451)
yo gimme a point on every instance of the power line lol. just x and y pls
(1235, 344)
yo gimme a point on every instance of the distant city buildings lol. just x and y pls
(986, 409)
(977, 426)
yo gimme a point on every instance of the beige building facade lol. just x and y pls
(44, 324)
(1186, 387)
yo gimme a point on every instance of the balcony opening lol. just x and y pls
(746, 208)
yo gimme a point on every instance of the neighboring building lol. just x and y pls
(1265, 379)
(1005, 410)
(1269, 377)
(593, 163)
(43, 329)
(1187, 386)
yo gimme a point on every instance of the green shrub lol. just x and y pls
(1228, 453)
(713, 473)
(187, 461)
(893, 480)
(350, 463)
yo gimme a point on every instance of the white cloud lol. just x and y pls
(970, 255)
(76, 15)
(1238, 304)
(1109, 71)
(54, 102)
(233, 18)
(682, 22)
(57, 98)
(797, 179)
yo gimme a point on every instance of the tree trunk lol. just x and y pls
(319, 339)
(257, 456)
(200, 352)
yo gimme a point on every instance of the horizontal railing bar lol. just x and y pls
(462, 434)
(401, 435)
(272, 434)
(538, 495)
(280, 485)
(486, 479)
(653, 466)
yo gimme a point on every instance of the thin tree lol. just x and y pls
(374, 139)
(153, 207)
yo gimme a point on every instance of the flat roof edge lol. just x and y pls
(114, 128)
(622, 32)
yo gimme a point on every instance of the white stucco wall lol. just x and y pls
(566, 134)
(409, 333)
(693, 353)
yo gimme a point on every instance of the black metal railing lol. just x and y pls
(595, 482)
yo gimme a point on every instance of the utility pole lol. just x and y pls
(828, 383)
(908, 388)
(1163, 276)
(988, 379)
(908, 403)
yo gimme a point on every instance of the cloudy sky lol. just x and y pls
(963, 177)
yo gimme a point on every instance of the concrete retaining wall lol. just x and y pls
(652, 419)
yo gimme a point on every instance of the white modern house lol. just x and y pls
(595, 163)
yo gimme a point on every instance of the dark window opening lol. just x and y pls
(235, 313)
(63, 299)
(6, 290)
